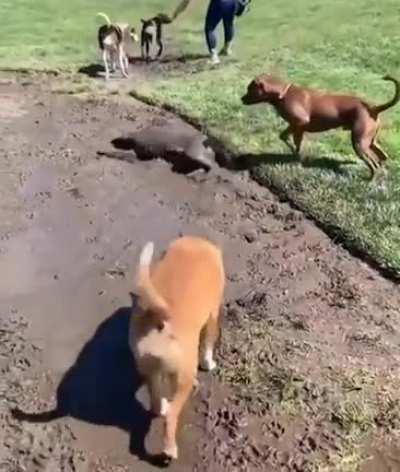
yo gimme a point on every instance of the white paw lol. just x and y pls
(164, 407)
(208, 362)
(171, 452)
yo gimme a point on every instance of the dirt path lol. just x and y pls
(309, 354)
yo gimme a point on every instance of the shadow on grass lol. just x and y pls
(250, 161)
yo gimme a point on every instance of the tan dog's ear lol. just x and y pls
(134, 299)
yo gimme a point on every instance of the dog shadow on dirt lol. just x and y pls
(96, 70)
(92, 70)
(170, 58)
(100, 387)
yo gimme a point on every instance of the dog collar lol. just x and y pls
(283, 94)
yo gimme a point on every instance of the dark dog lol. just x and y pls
(307, 110)
(152, 33)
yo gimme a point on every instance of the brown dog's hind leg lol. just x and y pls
(376, 149)
(381, 154)
(363, 151)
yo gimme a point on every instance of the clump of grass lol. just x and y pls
(387, 414)
(354, 417)
(350, 459)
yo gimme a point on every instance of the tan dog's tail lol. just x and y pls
(103, 15)
(149, 298)
(380, 108)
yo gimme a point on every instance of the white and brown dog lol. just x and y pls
(178, 311)
(113, 40)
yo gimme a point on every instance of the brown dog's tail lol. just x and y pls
(380, 108)
(149, 299)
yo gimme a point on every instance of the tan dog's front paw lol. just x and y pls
(164, 407)
(170, 453)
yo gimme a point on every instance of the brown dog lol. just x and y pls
(179, 300)
(307, 110)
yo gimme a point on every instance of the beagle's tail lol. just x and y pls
(149, 299)
(103, 15)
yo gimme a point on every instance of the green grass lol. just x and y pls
(340, 46)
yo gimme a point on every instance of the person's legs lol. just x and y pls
(213, 17)
(228, 16)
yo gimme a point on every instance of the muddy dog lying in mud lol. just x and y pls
(308, 110)
(113, 39)
(176, 142)
(152, 33)
(179, 302)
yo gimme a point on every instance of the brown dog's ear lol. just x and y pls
(284, 91)
(275, 87)
(261, 83)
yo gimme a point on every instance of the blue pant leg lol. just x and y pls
(228, 17)
(213, 17)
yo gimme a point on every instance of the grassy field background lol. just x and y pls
(340, 46)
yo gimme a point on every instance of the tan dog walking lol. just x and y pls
(179, 304)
